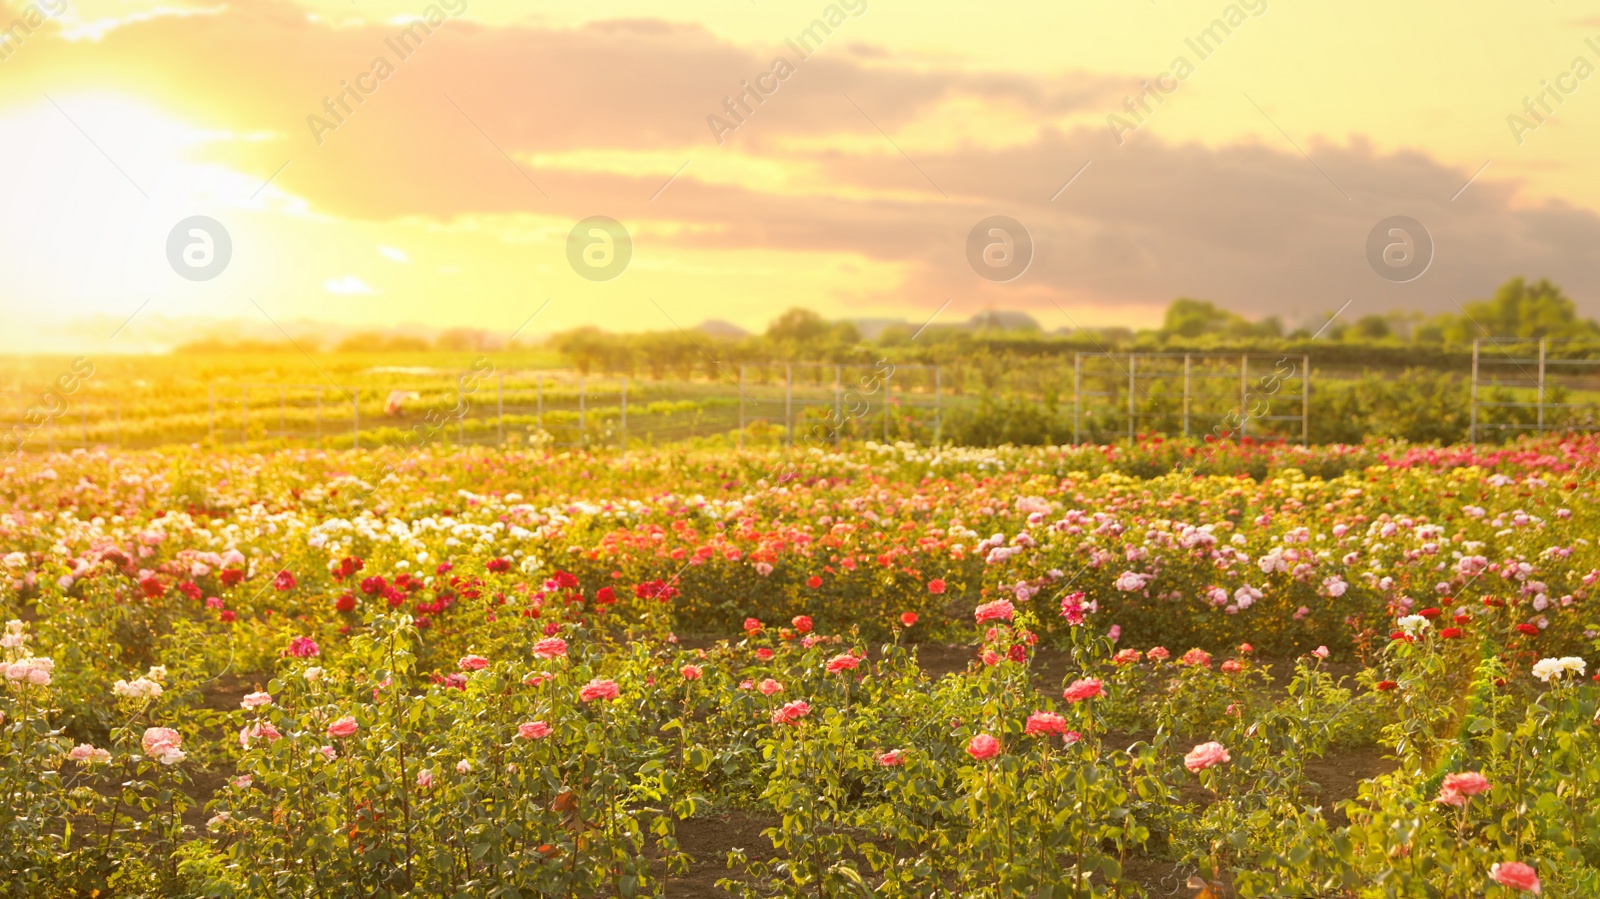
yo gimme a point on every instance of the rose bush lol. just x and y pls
(519, 673)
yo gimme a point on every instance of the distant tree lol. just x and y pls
(1367, 328)
(895, 335)
(1194, 318)
(1519, 309)
(798, 326)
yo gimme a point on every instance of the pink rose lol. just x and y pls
(255, 700)
(344, 727)
(533, 730)
(983, 747)
(769, 687)
(846, 662)
(425, 778)
(1516, 875)
(161, 744)
(1043, 724)
(791, 712)
(1085, 688)
(1458, 788)
(999, 610)
(1205, 756)
(550, 648)
(472, 663)
(259, 731)
(690, 672)
(599, 688)
(892, 759)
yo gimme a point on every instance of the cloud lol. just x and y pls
(349, 285)
(1253, 225)
(394, 254)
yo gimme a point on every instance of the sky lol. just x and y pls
(353, 168)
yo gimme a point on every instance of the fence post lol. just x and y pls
(1133, 365)
(1244, 395)
(1186, 394)
(838, 403)
(936, 390)
(1472, 432)
(788, 404)
(624, 413)
(741, 405)
(1541, 385)
(886, 388)
(500, 408)
(1305, 401)
(1077, 396)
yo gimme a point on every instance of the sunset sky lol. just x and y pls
(445, 198)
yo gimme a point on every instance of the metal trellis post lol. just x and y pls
(1305, 400)
(1472, 432)
(1133, 364)
(1185, 394)
(1541, 385)
(1077, 396)
(1244, 395)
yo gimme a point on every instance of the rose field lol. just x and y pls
(1165, 668)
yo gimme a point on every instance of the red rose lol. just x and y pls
(1528, 629)
(1450, 633)
(813, 582)
(1385, 685)
(936, 586)
(908, 618)
(346, 602)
